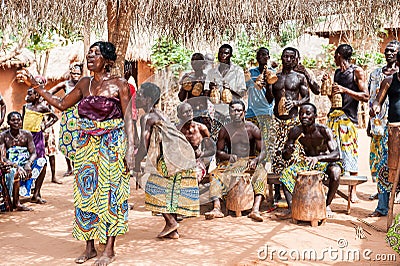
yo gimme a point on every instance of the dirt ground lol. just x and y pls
(43, 237)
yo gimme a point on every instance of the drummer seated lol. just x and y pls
(321, 153)
(237, 141)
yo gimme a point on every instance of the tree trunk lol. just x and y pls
(46, 63)
(119, 15)
(86, 44)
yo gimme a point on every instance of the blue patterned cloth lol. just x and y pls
(20, 156)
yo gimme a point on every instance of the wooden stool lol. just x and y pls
(350, 181)
(308, 202)
(241, 195)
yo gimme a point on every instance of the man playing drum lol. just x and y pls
(321, 154)
(236, 147)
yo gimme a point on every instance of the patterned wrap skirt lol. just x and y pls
(69, 132)
(266, 125)
(379, 161)
(101, 185)
(289, 175)
(178, 193)
(20, 156)
(281, 130)
(393, 235)
(220, 178)
(345, 134)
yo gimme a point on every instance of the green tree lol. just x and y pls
(168, 53)
(245, 55)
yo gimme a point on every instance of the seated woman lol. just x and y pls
(21, 155)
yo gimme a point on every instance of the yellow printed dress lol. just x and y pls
(101, 187)
(172, 185)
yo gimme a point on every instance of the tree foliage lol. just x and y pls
(166, 52)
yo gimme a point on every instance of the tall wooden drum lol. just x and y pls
(241, 195)
(393, 152)
(308, 202)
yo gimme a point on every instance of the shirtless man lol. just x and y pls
(13, 139)
(198, 136)
(289, 92)
(237, 143)
(321, 153)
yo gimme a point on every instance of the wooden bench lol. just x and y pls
(349, 181)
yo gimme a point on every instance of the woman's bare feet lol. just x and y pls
(87, 255)
(169, 228)
(104, 260)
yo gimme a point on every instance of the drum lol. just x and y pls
(308, 202)
(393, 149)
(241, 195)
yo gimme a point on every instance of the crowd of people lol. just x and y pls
(258, 121)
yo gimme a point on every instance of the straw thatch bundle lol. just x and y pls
(194, 21)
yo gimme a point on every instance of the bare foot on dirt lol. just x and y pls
(104, 260)
(38, 200)
(86, 256)
(168, 229)
(215, 213)
(22, 208)
(56, 181)
(256, 216)
(68, 173)
(173, 235)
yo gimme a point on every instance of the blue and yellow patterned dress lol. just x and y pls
(101, 187)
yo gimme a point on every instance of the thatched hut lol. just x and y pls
(61, 57)
(14, 92)
(339, 30)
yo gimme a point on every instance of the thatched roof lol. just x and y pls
(194, 21)
(23, 58)
(60, 59)
(335, 24)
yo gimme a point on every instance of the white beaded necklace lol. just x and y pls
(15, 139)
